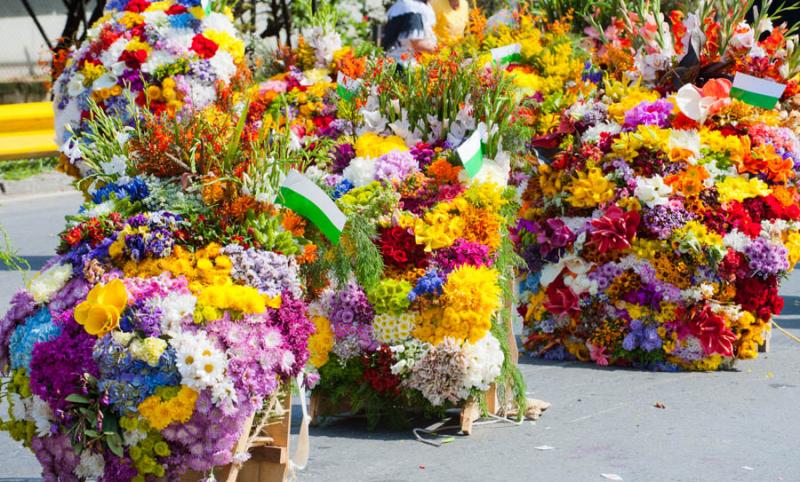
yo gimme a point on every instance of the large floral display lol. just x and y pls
(174, 312)
(169, 56)
(656, 232)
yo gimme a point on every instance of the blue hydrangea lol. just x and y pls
(128, 381)
(642, 336)
(342, 188)
(184, 20)
(37, 328)
(136, 190)
(429, 284)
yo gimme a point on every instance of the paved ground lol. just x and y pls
(727, 426)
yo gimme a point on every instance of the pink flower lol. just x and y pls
(598, 354)
(561, 299)
(697, 104)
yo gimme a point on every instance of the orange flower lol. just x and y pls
(690, 181)
(293, 223)
(785, 195)
(309, 254)
(443, 171)
(763, 158)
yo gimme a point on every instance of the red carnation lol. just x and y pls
(614, 230)
(710, 329)
(133, 58)
(561, 299)
(205, 47)
(137, 6)
(759, 296)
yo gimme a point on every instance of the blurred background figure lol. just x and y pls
(452, 17)
(409, 29)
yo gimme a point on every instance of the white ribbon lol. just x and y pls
(300, 459)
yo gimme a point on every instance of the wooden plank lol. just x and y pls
(24, 145)
(469, 413)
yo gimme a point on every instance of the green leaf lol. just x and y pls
(75, 398)
(115, 445)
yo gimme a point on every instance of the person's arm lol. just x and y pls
(424, 45)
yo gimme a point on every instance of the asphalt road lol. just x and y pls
(723, 426)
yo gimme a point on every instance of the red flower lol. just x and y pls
(561, 299)
(176, 9)
(137, 6)
(133, 58)
(759, 296)
(378, 372)
(614, 230)
(710, 329)
(73, 236)
(205, 48)
(399, 248)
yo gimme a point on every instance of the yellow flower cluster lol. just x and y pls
(590, 188)
(751, 335)
(370, 145)
(699, 232)
(160, 413)
(207, 266)
(391, 329)
(471, 296)
(716, 141)
(232, 45)
(627, 97)
(99, 313)
(738, 188)
(442, 225)
(792, 243)
(321, 342)
(648, 137)
(241, 299)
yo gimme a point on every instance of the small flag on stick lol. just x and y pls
(471, 153)
(206, 4)
(507, 54)
(755, 91)
(346, 87)
(302, 196)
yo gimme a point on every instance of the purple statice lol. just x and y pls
(36, 329)
(143, 318)
(342, 154)
(57, 458)
(292, 321)
(70, 295)
(605, 274)
(766, 258)
(58, 366)
(460, 253)
(395, 166)
(257, 352)
(21, 307)
(625, 172)
(649, 113)
(662, 221)
(117, 469)
(128, 381)
(208, 438)
(271, 273)
(349, 305)
(429, 284)
(642, 336)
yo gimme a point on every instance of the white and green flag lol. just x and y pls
(755, 91)
(302, 196)
(507, 54)
(206, 5)
(346, 87)
(471, 153)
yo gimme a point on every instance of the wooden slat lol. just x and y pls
(26, 131)
(25, 145)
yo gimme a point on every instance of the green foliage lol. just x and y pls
(9, 257)
(356, 254)
(25, 168)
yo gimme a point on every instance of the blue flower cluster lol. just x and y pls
(128, 381)
(37, 328)
(429, 284)
(642, 336)
(157, 240)
(142, 318)
(591, 75)
(136, 190)
(342, 188)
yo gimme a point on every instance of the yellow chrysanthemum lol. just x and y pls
(590, 188)
(370, 145)
(739, 189)
(321, 342)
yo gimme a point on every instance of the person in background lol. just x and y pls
(452, 17)
(409, 29)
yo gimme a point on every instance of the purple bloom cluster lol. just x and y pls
(296, 329)
(157, 241)
(143, 318)
(649, 113)
(766, 258)
(270, 272)
(57, 458)
(22, 306)
(662, 221)
(395, 166)
(70, 295)
(460, 253)
(642, 336)
(342, 155)
(350, 306)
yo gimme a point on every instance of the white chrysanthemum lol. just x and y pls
(19, 406)
(156, 18)
(652, 191)
(220, 22)
(223, 65)
(44, 285)
(360, 171)
(133, 437)
(581, 284)
(91, 465)
(592, 134)
(201, 95)
(174, 308)
(390, 329)
(41, 415)
(199, 362)
(736, 240)
(223, 394)
(179, 40)
(156, 59)
(484, 361)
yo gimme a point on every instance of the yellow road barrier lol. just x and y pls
(26, 131)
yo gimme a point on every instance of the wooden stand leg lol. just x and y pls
(492, 404)
(313, 408)
(512, 340)
(273, 460)
(469, 414)
(764, 347)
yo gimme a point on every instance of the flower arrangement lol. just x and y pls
(657, 234)
(170, 57)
